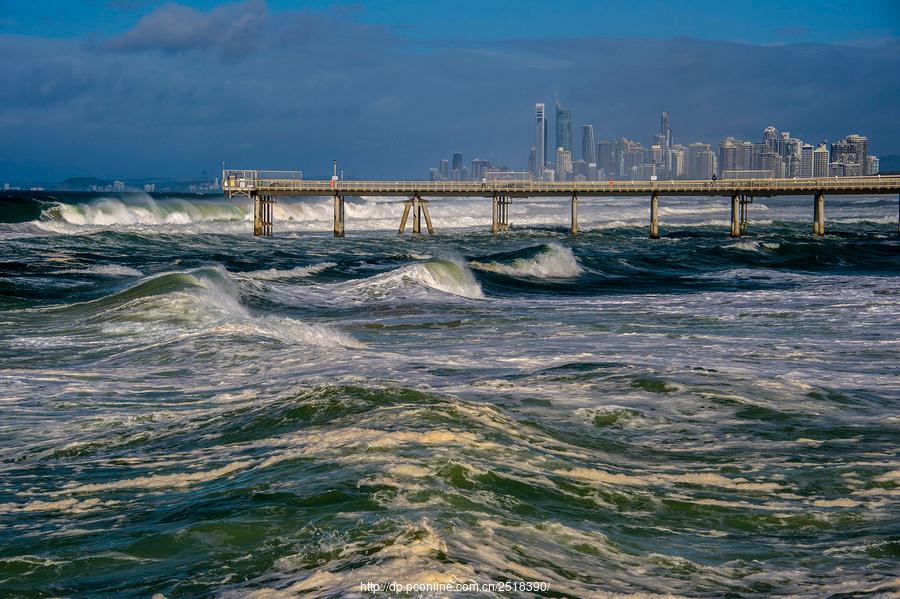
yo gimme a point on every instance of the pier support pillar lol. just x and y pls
(574, 215)
(338, 215)
(263, 215)
(423, 206)
(745, 213)
(654, 216)
(735, 223)
(418, 208)
(500, 214)
(819, 214)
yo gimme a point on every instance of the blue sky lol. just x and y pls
(761, 21)
(130, 88)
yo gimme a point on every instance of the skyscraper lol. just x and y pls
(605, 156)
(665, 131)
(696, 169)
(727, 156)
(770, 137)
(478, 168)
(806, 161)
(563, 164)
(563, 127)
(820, 161)
(457, 161)
(588, 149)
(860, 147)
(540, 140)
(444, 169)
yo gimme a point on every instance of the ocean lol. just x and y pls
(188, 411)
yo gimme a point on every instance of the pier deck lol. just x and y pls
(265, 186)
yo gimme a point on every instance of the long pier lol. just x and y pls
(264, 186)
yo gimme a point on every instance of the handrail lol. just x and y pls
(253, 180)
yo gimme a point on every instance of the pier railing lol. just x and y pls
(275, 183)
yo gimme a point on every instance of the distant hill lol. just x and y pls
(82, 183)
(889, 164)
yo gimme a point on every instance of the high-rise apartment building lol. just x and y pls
(806, 161)
(820, 161)
(606, 157)
(563, 164)
(872, 165)
(694, 170)
(457, 161)
(860, 146)
(588, 147)
(478, 168)
(540, 140)
(728, 156)
(676, 157)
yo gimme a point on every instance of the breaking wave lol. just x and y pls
(445, 275)
(144, 210)
(202, 301)
(547, 261)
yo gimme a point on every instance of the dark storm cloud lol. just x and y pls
(184, 89)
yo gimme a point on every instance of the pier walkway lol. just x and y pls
(264, 186)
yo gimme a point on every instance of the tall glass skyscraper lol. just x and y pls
(588, 149)
(540, 140)
(563, 127)
(665, 131)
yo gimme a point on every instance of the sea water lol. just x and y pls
(190, 411)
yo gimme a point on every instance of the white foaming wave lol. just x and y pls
(448, 276)
(297, 272)
(752, 245)
(414, 557)
(142, 210)
(554, 262)
(113, 270)
(158, 481)
(211, 304)
(691, 478)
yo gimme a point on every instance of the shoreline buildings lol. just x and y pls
(778, 155)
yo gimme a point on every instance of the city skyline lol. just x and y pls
(777, 155)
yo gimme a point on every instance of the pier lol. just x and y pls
(264, 186)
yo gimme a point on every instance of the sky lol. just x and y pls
(141, 88)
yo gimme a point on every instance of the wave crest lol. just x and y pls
(550, 261)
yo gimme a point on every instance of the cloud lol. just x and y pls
(232, 29)
(184, 89)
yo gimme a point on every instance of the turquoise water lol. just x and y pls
(190, 411)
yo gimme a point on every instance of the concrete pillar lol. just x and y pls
(745, 213)
(257, 216)
(417, 216)
(428, 224)
(338, 216)
(819, 214)
(406, 208)
(495, 216)
(654, 216)
(574, 215)
(735, 222)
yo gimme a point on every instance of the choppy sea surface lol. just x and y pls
(190, 411)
